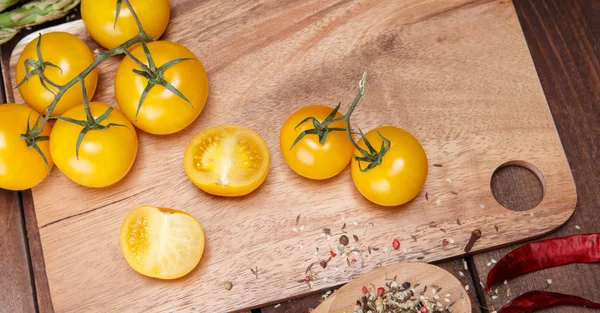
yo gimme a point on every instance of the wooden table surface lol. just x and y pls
(564, 40)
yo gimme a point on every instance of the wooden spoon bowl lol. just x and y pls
(423, 274)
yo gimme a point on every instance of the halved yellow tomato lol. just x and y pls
(227, 160)
(161, 243)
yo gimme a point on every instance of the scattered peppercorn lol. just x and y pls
(380, 291)
(364, 290)
(344, 240)
(228, 285)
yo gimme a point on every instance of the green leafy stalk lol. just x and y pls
(29, 14)
(321, 129)
(5, 4)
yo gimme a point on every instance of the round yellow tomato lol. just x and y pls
(69, 53)
(105, 155)
(99, 20)
(161, 243)
(162, 112)
(20, 167)
(227, 160)
(308, 157)
(402, 172)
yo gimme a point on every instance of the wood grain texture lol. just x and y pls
(563, 37)
(16, 293)
(474, 100)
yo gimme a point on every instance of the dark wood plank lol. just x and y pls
(564, 40)
(16, 292)
(38, 267)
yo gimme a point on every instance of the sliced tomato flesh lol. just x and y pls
(227, 156)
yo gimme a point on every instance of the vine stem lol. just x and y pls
(346, 117)
(372, 157)
(141, 36)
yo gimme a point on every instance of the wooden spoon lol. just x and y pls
(424, 274)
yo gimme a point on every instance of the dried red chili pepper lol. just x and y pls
(544, 254)
(534, 300)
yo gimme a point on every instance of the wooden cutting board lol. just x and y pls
(455, 73)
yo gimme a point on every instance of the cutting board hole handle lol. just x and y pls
(518, 185)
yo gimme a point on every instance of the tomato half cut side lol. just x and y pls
(161, 243)
(227, 160)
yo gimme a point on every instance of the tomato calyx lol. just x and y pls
(322, 129)
(37, 67)
(155, 76)
(372, 157)
(90, 123)
(32, 137)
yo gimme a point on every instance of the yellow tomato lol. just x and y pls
(69, 53)
(105, 155)
(227, 160)
(161, 243)
(99, 20)
(20, 168)
(308, 157)
(162, 112)
(402, 172)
